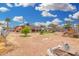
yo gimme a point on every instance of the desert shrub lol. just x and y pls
(66, 26)
(76, 36)
(41, 32)
(25, 30)
(53, 31)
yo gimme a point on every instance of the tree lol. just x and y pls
(54, 27)
(42, 31)
(67, 24)
(7, 20)
(4, 34)
(77, 27)
(26, 30)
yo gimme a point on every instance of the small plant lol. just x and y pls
(42, 31)
(52, 31)
(25, 30)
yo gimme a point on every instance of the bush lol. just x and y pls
(76, 36)
(53, 31)
(41, 32)
(25, 30)
(66, 26)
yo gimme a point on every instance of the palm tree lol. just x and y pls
(7, 20)
(4, 32)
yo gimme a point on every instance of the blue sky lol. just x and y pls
(32, 15)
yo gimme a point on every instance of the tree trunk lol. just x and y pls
(7, 24)
(4, 39)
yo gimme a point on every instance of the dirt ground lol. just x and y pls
(37, 45)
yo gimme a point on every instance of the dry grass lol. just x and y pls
(37, 44)
(5, 49)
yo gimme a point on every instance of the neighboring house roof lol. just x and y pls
(17, 28)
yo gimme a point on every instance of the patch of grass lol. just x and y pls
(1, 39)
(24, 35)
(5, 49)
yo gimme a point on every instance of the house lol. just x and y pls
(35, 28)
(18, 28)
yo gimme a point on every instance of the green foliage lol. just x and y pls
(77, 25)
(7, 19)
(54, 27)
(7, 28)
(25, 30)
(66, 26)
(41, 31)
(53, 31)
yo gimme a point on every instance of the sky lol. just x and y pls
(35, 13)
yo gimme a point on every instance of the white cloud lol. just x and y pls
(68, 19)
(37, 23)
(9, 4)
(2, 22)
(42, 23)
(56, 21)
(47, 14)
(75, 25)
(18, 18)
(70, 16)
(55, 6)
(76, 15)
(48, 22)
(24, 4)
(23, 23)
(3, 9)
(20, 4)
(62, 25)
